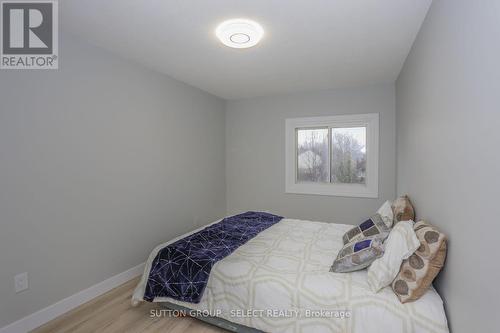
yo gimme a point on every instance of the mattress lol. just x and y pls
(279, 281)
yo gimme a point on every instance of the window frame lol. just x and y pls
(367, 190)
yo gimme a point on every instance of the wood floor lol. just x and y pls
(112, 312)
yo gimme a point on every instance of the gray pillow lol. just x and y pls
(357, 255)
(374, 227)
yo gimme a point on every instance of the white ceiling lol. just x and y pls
(308, 44)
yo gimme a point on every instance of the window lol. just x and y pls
(336, 155)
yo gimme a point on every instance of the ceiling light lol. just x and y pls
(239, 33)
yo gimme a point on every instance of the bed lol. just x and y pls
(279, 281)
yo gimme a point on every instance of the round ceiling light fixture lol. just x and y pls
(239, 33)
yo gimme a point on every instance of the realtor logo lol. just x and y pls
(29, 35)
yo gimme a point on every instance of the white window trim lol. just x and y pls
(368, 190)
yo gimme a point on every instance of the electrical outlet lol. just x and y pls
(21, 282)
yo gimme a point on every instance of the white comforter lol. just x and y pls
(280, 282)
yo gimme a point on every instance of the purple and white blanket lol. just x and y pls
(181, 269)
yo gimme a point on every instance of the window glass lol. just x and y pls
(348, 155)
(312, 155)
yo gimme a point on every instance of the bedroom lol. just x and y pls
(141, 126)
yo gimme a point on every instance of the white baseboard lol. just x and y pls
(45, 315)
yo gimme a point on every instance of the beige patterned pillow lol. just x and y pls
(419, 270)
(403, 209)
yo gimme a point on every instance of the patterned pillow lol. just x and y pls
(401, 244)
(418, 271)
(374, 227)
(357, 255)
(403, 209)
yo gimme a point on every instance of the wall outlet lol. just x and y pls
(21, 282)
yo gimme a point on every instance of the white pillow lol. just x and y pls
(386, 213)
(400, 245)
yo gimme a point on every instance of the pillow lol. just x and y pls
(374, 227)
(418, 271)
(357, 255)
(386, 213)
(400, 244)
(403, 209)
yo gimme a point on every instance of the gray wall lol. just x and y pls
(448, 134)
(100, 161)
(255, 152)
